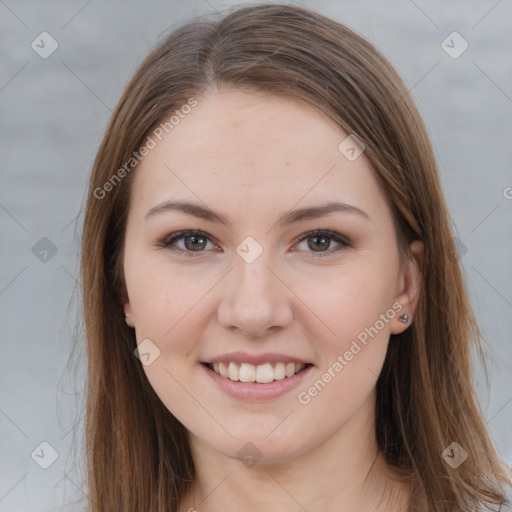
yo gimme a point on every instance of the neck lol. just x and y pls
(345, 473)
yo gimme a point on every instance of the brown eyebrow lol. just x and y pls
(205, 213)
(318, 211)
(197, 210)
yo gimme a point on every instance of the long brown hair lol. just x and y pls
(137, 452)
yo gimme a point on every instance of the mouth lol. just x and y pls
(262, 373)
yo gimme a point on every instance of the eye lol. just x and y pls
(187, 242)
(321, 242)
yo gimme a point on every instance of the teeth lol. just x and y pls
(279, 371)
(223, 369)
(233, 372)
(262, 373)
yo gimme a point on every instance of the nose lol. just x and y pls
(254, 300)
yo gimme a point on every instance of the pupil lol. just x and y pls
(322, 242)
(194, 243)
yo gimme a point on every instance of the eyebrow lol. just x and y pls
(293, 216)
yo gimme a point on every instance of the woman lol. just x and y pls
(275, 312)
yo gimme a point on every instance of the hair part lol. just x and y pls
(138, 453)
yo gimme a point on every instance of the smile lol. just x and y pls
(262, 373)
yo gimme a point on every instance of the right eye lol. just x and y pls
(187, 242)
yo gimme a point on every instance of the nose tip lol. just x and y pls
(253, 300)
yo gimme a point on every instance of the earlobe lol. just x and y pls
(409, 287)
(128, 315)
(404, 318)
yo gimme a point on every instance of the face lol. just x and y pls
(257, 249)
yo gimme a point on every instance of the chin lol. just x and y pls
(253, 448)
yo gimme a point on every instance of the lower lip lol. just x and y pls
(256, 390)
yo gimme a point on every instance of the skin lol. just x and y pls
(252, 158)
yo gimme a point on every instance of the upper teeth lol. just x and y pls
(261, 373)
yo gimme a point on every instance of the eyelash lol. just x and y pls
(171, 239)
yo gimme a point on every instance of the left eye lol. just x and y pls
(321, 242)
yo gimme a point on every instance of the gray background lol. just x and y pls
(53, 115)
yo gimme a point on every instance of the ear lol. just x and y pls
(408, 287)
(128, 314)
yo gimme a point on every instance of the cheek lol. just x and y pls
(172, 307)
(349, 299)
(354, 311)
(353, 348)
(164, 297)
(168, 304)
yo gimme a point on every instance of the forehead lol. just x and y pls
(237, 148)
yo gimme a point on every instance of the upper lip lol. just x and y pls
(256, 359)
